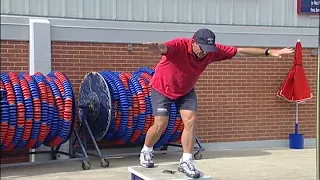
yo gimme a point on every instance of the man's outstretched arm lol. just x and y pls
(265, 52)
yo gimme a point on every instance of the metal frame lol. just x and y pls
(72, 155)
(87, 134)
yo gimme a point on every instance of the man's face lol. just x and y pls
(198, 51)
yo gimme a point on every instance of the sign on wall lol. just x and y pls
(309, 7)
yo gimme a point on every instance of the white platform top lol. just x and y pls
(162, 172)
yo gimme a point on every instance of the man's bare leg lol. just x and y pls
(152, 136)
(189, 132)
(186, 165)
(155, 131)
(161, 108)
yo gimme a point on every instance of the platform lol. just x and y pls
(161, 172)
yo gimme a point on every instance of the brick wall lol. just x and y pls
(237, 98)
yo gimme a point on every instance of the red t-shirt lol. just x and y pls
(179, 69)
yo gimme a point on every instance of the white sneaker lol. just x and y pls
(188, 168)
(146, 159)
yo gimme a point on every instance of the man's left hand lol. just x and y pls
(278, 53)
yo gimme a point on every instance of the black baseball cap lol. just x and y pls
(206, 40)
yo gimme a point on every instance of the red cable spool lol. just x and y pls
(145, 89)
(28, 122)
(36, 112)
(51, 104)
(44, 99)
(68, 109)
(58, 100)
(4, 125)
(118, 120)
(68, 103)
(60, 86)
(136, 111)
(125, 82)
(11, 129)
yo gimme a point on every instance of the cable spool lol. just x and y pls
(35, 110)
(120, 109)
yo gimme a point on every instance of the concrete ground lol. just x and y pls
(253, 164)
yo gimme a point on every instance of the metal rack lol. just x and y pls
(87, 134)
(56, 151)
(74, 137)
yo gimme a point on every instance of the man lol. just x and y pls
(182, 62)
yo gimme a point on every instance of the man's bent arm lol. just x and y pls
(168, 48)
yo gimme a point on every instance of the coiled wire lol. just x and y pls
(131, 114)
(35, 110)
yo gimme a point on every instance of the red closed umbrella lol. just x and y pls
(296, 89)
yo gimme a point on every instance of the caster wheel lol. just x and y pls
(164, 148)
(86, 165)
(104, 163)
(197, 156)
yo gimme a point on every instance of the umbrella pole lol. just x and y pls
(318, 112)
(297, 119)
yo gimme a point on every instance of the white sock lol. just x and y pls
(145, 148)
(186, 156)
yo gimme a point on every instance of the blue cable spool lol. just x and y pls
(68, 98)
(12, 111)
(147, 115)
(20, 109)
(59, 124)
(134, 105)
(50, 107)
(126, 127)
(114, 95)
(28, 112)
(65, 122)
(36, 104)
(4, 113)
(56, 120)
(142, 115)
(146, 70)
(122, 107)
(72, 97)
(130, 125)
(44, 109)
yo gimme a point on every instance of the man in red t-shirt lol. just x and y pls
(183, 60)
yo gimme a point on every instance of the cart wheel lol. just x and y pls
(86, 165)
(164, 148)
(197, 156)
(104, 163)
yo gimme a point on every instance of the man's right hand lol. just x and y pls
(157, 47)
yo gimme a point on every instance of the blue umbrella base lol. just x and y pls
(296, 141)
